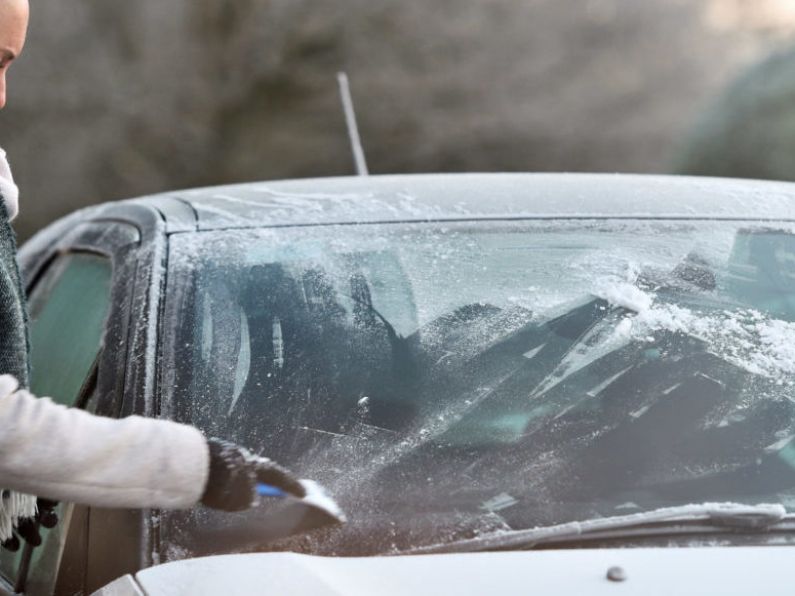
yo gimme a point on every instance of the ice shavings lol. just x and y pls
(745, 337)
(626, 295)
(759, 344)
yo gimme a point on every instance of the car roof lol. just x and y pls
(450, 197)
(476, 196)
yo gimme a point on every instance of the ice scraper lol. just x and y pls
(319, 509)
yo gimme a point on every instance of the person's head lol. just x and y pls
(13, 28)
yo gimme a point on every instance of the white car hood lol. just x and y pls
(648, 571)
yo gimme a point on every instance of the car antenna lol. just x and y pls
(350, 121)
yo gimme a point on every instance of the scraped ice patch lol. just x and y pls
(611, 335)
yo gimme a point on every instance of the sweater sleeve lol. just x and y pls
(70, 455)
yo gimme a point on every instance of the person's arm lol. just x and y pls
(67, 454)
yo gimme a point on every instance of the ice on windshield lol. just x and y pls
(446, 378)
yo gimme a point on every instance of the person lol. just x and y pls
(65, 454)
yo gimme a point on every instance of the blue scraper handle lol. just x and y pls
(266, 490)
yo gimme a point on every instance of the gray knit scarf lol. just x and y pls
(14, 350)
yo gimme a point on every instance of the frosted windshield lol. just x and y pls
(449, 379)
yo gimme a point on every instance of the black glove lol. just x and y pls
(28, 528)
(234, 473)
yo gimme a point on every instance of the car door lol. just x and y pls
(79, 293)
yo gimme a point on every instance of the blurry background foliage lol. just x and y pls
(114, 99)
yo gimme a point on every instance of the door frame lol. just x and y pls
(127, 235)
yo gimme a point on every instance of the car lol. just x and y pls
(554, 383)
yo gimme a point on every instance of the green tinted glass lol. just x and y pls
(68, 309)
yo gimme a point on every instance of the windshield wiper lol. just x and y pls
(725, 516)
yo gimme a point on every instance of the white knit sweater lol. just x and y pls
(70, 455)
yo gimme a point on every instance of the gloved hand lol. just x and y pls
(234, 474)
(28, 528)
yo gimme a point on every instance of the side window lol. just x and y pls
(68, 308)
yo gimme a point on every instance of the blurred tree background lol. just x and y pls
(115, 99)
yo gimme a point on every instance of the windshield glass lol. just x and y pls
(449, 380)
